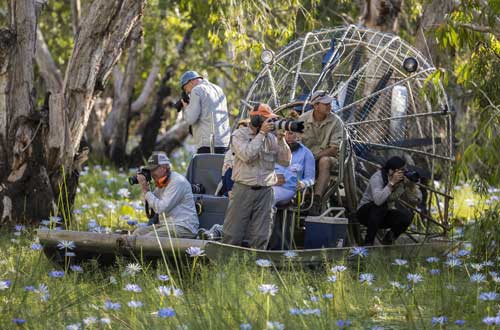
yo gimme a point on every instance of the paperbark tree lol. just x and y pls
(40, 147)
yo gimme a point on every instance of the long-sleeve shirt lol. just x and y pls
(302, 167)
(255, 156)
(207, 101)
(380, 193)
(176, 202)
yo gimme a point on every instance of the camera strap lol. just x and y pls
(150, 213)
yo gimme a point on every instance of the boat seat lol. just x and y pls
(206, 169)
(211, 209)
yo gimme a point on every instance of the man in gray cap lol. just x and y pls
(206, 112)
(172, 200)
(322, 135)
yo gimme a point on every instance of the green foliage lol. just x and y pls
(471, 37)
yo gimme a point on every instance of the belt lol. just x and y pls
(258, 187)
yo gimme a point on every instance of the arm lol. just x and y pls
(284, 153)
(244, 150)
(171, 198)
(309, 169)
(379, 192)
(192, 111)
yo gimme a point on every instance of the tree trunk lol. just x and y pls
(123, 102)
(381, 15)
(434, 15)
(42, 146)
(172, 139)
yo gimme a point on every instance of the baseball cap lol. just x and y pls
(188, 76)
(263, 110)
(156, 159)
(321, 97)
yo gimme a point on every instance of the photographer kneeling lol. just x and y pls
(256, 151)
(378, 207)
(172, 200)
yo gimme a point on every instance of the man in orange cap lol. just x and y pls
(256, 151)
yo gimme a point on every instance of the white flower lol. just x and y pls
(270, 289)
(488, 296)
(76, 326)
(453, 262)
(273, 325)
(66, 245)
(133, 269)
(366, 278)
(477, 278)
(132, 288)
(332, 278)
(414, 278)
(263, 262)
(396, 285)
(290, 254)
(90, 320)
(338, 269)
(432, 260)
(195, 251)
(400, 262)
(123, 192)
(169, 291)
(477, 267)
(134, 304)
(245, 326)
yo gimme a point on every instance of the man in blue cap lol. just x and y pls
(206, 112)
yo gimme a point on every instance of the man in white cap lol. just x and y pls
(172, 200)
(206, 112)
(322, 135)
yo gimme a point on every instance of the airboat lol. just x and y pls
(390, 101)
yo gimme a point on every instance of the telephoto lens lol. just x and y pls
(289, 125)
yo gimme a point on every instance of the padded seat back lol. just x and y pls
(206, 169)
(213, 209)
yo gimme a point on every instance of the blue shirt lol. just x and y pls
(302, 166)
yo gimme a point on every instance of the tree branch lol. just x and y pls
(46, 65)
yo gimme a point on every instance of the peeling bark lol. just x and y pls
(47, 67)
(43, 146)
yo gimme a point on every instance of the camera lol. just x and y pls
(413, 176)
(184, 97)
(144, 171)
(288, 125)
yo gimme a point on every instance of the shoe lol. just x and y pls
(315, 209)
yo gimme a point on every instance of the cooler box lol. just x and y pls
(326, 231)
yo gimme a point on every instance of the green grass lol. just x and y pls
(224, 295)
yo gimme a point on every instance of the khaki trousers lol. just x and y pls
(163, 231)
(249, 216)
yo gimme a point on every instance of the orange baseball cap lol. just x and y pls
(263, 110)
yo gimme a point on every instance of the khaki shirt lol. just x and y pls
(256, 155)
(319, 136)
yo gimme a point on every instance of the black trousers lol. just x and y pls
(375, 217)
(206, 150)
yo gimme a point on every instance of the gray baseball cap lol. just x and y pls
(156, 159)
(321, 97)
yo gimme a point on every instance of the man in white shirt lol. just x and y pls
(172, 200)
(206, 112)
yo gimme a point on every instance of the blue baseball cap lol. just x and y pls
(188, 76)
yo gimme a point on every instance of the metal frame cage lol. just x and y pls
(389, 102)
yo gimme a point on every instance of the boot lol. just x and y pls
(315, 209)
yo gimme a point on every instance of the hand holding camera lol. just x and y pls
(182, 102)
(396, 177)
